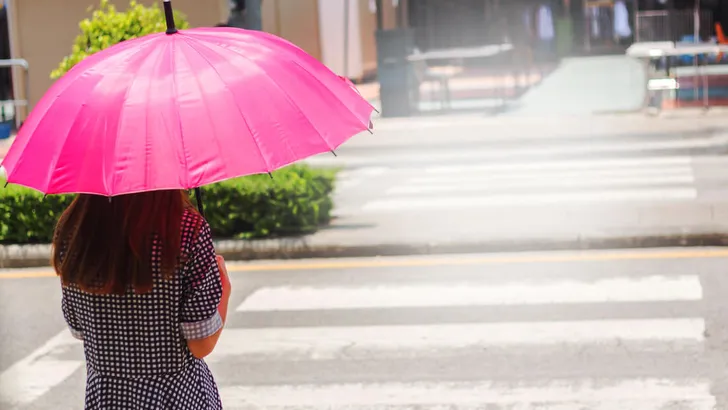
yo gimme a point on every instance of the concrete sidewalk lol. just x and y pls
(535, 229)
(587, 85)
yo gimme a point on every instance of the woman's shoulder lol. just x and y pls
(196, 240)
(194, 227)
(192, 219)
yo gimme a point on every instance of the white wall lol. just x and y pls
(332, 29)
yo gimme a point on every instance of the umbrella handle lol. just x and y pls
(169, 16)
(198, 197)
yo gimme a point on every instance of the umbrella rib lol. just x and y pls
(330, 92)
(280, 42)
(118, 126)
(61, 86)
(288, 98)
(240, 111)
(53, 167)
(293, 104)
(97, 59)
(79, 72)
(207, 109)
(179, 124)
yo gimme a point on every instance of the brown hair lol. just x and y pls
(105, 245)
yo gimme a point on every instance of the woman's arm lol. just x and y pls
(69, 315)
(206, 293)
(201, 348)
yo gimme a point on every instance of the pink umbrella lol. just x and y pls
(183, 109)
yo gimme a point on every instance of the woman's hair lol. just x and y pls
(107, 245)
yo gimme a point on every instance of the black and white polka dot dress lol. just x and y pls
(135, 344)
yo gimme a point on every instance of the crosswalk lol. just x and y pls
(455, 163)
(404, 337)
(483, 346)
(483, 186)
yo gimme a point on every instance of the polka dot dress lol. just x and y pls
(135, 344)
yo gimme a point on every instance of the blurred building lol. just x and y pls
(675, 20)
(339, 33)
(574, 26)
(578, 26)
(42, 31)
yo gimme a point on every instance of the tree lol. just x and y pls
(108, 26)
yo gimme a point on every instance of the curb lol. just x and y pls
(34, 256)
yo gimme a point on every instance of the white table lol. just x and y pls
(648, 51)
(461, 52)
(419, 59)
(654, 50)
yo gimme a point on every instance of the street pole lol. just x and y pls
(253, 15)
(696, 21)
(670, 5)
(380, 15)
(399, 13)
(236, 14)
(346, 37)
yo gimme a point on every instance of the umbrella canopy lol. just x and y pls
(180, 110)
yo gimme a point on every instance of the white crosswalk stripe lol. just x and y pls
(654, 288)
(581, 165)
(530, 199)
(320, 344)
(546, 150)
(326, 343)
(645, 394)
(39, 372)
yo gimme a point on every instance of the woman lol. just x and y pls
(144, 291)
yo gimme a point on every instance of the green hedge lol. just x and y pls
(296, 201)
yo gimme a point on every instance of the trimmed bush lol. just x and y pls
(296, 201)
(108, 26)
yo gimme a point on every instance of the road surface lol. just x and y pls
(471, 164)
(607, 330)
(467, 183)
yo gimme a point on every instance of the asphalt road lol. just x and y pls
(616, 330)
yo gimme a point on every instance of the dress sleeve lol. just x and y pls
(70, 316)
(202, 290)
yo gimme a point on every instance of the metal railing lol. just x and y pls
(673, 25)
(17, 62)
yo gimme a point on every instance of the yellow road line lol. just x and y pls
(439, 261)
(465, 260)
(27, 274)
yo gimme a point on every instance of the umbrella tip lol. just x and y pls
(169, 17)
(334, 152)
(270, 175)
